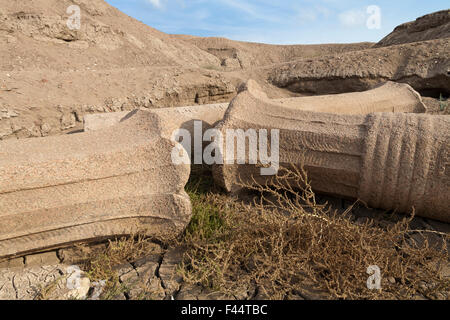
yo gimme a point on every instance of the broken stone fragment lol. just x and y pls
(173, 118)
(48, 282)
(68, 121)
(389, 160)
(186, 118)
(56, 191)
(7, 114)
(388, 97)
(98, 121)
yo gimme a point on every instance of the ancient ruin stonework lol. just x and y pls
(389, 160)
(55, 191)
(387, 97)
(173, 118)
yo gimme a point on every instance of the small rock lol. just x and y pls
(42, 259)
(12, 114)
(68, 121)
(12, 263)
(82, 290)
(52, 282)
(98, 288)
(45, 129)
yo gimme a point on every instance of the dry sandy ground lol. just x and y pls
(51, 76)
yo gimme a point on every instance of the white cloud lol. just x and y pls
(156, 3)
(324, 11)
(312, 14)
(251, 9)
(307, 15)
(201, 14)
(353, 18)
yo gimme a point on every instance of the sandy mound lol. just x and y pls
(34, 35)
(238, 54)
(429, 27)
(423, 65)
(415, 53)
(51, 76)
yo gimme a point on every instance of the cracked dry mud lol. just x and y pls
(152, 277)
(50, 78)
(155, 276)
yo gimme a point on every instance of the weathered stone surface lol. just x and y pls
(44, 282)
(389, 160)
(79, 254)
(56, 191)
(99, 121)
(388, 97)
(173, 118)
(42, 259)
(12, 263)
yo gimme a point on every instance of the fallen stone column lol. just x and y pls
(389, 160)
(388, 97)
(56, 191)
(173, 118)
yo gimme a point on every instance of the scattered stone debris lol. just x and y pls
(117, 177)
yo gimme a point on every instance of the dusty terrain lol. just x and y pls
(429, 27)
(50, 77)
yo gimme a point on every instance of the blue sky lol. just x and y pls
(280, 22)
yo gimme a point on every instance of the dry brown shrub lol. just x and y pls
(117, 252)
(103, 264)
(285, 239)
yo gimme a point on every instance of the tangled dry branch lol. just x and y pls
(285, 240)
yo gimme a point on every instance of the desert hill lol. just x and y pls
(245, 55)
(121, 178)
(51, 76)
(34, 35)
(429, 27)
(415, 53)
(424, 65)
